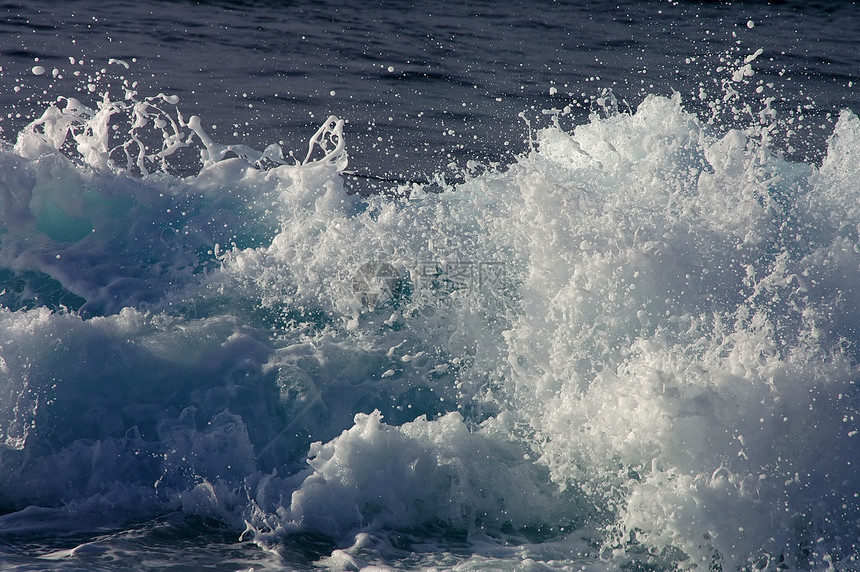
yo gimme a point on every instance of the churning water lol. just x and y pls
(325, 285)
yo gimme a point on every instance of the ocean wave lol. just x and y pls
(636, 345)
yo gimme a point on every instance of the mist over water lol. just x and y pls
(429, 287)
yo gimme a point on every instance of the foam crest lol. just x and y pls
(672, 334)
(83, 232)
(376, 476)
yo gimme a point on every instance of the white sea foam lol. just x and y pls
(636, 343)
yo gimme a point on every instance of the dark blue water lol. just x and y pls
(460, 73)
(623, 337)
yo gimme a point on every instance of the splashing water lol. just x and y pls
(633, 348)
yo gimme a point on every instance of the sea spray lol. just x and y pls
(634, 346)
(687, 342)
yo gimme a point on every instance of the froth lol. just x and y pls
(640, 333)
